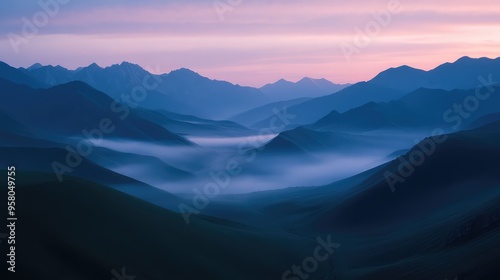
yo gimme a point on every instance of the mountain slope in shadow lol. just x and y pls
(87, 231)
(19, 77)
(440, 215)
(394, 83)
(421, 109)
(348, 98)
(302, 139)
(66, 110)
(187, 125)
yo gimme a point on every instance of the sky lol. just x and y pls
(251, 42)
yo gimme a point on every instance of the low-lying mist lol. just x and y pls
(238, 166)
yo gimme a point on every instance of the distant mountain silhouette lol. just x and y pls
(422, 108)
(373, 116)
(461, 74)
(181, 91)
(395, 83)
(192, 125)
(254, 115)
(348, 98)
(110, 212)
(66, 110)
(19, 77)
(307, 87)
(301, 139)
(50, 75)
(484, 120)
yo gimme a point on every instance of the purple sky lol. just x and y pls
(252, 42)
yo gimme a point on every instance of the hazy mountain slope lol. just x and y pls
(19, 77)
(348, 98)
(70, 108)
(420, 109)
(468, 156)
(148, 169)
(372, 116)
(484, 120)
(145, 241)
(193, 126)
(50, 75)
(304, 139)
(465, 73)
(394, 83)
(402, 234)
(307, 87)
(211, 98)
(257, 114)
(42, 159)
(181, 91)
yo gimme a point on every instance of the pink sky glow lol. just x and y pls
(256, 42)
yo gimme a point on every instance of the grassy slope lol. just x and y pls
(80, 230)
(442, 222)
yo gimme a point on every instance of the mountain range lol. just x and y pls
(186, 92)
(181, 91)
(283, 90)
(206, 179)
(465, 73)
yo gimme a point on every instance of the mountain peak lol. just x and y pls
(395, 74)
(305, 79)
(126, 66)
(129, 64)
(405, 67)
(93, 66)
(35, 66)
(464, 58)
(401, 68)
(184, 72)
(468, 59)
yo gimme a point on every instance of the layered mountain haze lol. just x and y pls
(306, 87)
(66, 110)
(348, 98)
(179, 176)
(12, 74)
(465, 73)
(253, 116)
(392, 84)
(181, 91)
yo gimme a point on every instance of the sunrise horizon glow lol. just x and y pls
(253, 43)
